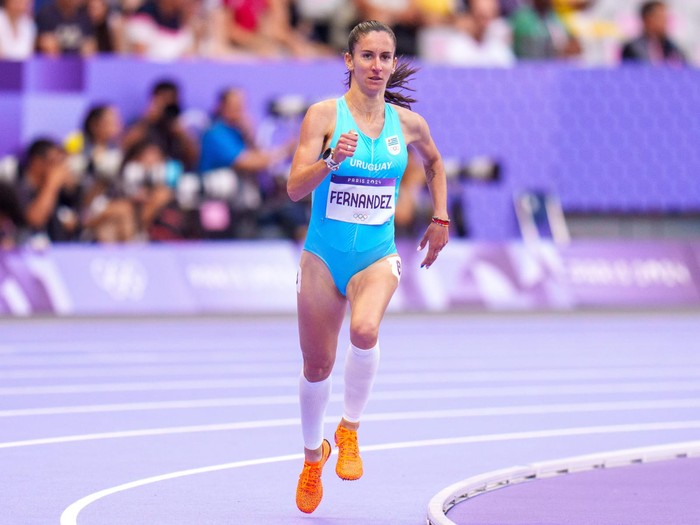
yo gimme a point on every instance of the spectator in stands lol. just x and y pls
(49, 192)
(160, 30)
(260, 27)
(539, 33)
(478, 37)
(324, 21)
(64, 28)
(161, 123)
(144, 181)
(490, 35)
(653, 46)
(129, 7)
(230, 143)
(508, 7)
(120, 12)
(107, 216)
(17, 30)
(102, 132)
(101, 18)
(403, 16)
(438, 11)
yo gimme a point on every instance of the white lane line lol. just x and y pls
(132, 358)
(258, 401)
(378, 417)
(150, 386)
(167, 431)
(149, 370)
(467, 374)
(70, 514)
(274, 400)
(499, 391)
(189, 404)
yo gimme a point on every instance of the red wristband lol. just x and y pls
(441, 222)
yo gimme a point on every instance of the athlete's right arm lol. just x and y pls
(307, 169)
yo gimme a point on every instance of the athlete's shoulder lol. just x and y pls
(408, 116)
(321, 117)
(412, 123)
(324, 108)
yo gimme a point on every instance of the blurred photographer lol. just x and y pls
(49, 192)
(144, 182)
(161, 123)
(230, 145)
(106, 215)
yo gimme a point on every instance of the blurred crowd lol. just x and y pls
(168, 176)
(164, 176)
(456, 32)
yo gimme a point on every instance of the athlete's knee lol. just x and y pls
(317, 369)
(364, 333)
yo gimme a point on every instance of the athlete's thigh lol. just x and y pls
(321, 309)
(370, 290)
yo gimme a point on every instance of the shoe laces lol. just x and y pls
(310, 477)
(347, 443)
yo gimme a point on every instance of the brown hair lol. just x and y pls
(648, 8)
(399, 78)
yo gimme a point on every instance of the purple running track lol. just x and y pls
(195, 420)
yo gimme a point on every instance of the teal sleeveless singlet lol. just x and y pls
(352, 214)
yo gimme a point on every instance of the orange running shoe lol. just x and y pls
(310, 488)
(349, 466)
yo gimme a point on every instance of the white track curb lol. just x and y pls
(447, 498)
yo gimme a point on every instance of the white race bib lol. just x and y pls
(361, 200)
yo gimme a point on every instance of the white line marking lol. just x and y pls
(150, 386)
(157, 405)
(245, 402)
(244, 425)
(70, 514)
(132, 358)
(468, 374)
(499, 391)
(279, 400)
(379, 417)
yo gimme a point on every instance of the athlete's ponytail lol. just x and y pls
(399, 78)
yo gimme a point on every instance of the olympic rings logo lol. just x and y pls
(360, 216)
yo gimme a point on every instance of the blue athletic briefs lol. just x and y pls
(363, 189)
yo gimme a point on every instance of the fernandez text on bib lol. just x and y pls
(361, 200)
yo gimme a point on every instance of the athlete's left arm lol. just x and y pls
(417, 134)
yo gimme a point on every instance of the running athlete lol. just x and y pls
(352, 154)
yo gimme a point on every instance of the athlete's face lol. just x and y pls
(372, 60)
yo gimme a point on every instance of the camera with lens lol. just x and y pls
(171, 112)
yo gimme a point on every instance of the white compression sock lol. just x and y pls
(360, 369)
(313, 399)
